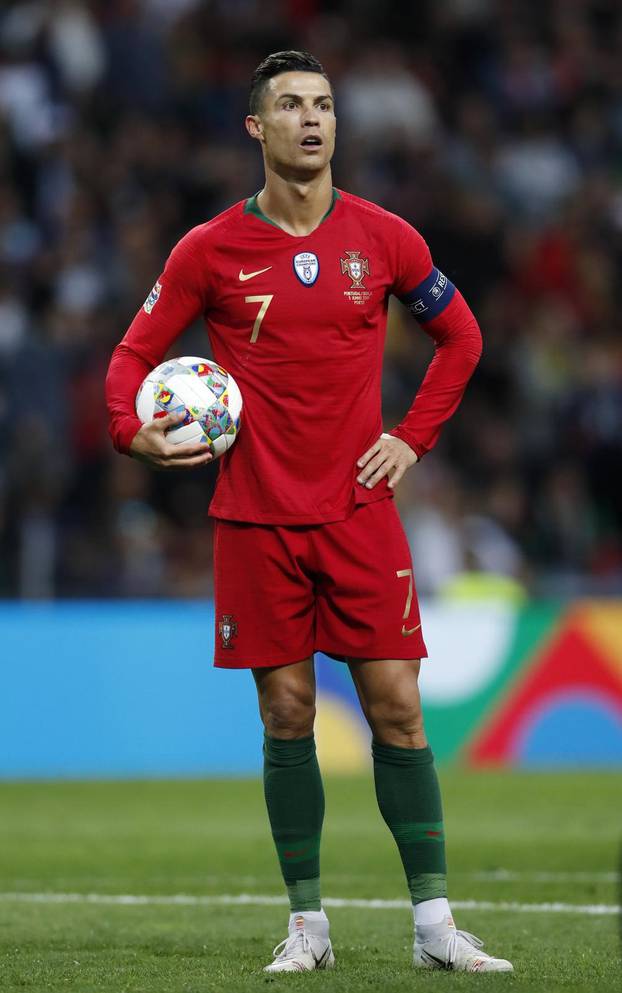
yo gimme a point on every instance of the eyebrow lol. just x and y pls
(296, 96)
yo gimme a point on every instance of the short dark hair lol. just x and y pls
(274, 65)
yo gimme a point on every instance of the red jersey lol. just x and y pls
(300, 322)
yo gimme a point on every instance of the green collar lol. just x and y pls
(252, 207)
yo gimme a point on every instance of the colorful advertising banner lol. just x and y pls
(537, 686)
(128, 690)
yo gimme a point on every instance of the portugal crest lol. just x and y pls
(227, 629)
(355, 268)
(306, 267)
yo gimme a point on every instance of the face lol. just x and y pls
(296, 123)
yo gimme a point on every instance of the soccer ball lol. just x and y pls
(207, 393)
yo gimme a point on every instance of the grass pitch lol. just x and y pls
(513, 838)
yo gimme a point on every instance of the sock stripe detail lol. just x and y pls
(304, 894)
(292, 851)
(427, 886)
(406, 834)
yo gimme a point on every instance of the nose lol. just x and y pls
(310, 117)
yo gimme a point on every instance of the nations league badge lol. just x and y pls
(153, 298)
(306, 267)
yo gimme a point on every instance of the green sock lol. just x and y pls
(295, 801)
(410, 802)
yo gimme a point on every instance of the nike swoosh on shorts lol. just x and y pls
(406, 631)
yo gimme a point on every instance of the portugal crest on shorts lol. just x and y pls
(306, 267)
(355, 268)
(227, 629)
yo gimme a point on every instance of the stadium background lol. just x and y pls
(495, 128)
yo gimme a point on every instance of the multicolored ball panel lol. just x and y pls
(207, 394)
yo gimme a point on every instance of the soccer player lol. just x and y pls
(310, 555)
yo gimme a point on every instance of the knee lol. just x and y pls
(397, 722)
(289, 714)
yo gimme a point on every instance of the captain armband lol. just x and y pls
(430, 297)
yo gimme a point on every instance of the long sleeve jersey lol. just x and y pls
(300, 323)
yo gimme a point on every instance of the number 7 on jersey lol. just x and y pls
(265, 302)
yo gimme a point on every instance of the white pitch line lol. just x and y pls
(535, 876)
(252, 900)
(492, 876)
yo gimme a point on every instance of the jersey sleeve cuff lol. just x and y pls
(405, 435)
(125, 434)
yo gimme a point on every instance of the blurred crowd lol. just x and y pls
(494, 126)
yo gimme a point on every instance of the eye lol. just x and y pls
(290, 105)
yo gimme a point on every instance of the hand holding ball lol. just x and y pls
(208, 405)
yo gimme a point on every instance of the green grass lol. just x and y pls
(212, 838)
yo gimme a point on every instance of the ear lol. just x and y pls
(254, 127)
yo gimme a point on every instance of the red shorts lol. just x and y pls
(345, 589)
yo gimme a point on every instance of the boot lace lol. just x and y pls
(294, 943)
(453, 944)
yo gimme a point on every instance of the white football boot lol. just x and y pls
(455, 950)
(306, 947)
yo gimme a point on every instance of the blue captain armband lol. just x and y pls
(430, 297)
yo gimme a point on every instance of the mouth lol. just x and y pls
(311, 141)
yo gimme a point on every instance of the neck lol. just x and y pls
(296, 205)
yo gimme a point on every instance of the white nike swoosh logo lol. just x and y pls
(249, 275)
(406, 631)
